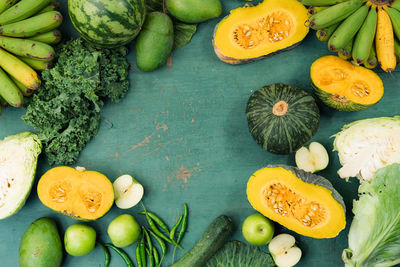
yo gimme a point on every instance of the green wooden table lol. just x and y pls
(182, 132)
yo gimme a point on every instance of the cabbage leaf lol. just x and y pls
(237, 254)
(374, 237)
(367, 145)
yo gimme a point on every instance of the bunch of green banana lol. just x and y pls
(361, 30)
(28, 29)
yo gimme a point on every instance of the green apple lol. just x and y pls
(123, 231)
(128, 192)
(79, 239)
(284, 250)
(257, 229)
(312, 158)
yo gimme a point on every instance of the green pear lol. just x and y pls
(194, 11)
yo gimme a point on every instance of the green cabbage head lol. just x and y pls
(367, 145)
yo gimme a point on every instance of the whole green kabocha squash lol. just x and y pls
(107, 23)
(282, 118)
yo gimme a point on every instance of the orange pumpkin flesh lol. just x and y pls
(82, 195)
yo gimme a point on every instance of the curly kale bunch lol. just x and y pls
(66, 109)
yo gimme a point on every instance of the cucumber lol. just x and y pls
(348, 29)
(213, 239)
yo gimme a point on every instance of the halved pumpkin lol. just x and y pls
(253, 32)
(77, 193)
(344, 86)
(301, 201)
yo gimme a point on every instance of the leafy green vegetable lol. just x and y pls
(237, 254)
(374, 233)
(183, 33)
(66, 109)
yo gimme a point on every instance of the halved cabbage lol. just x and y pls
(18, 159)
(365, 146)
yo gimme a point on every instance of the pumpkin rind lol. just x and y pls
(344, 86)
(301, 201)
(251, 33)
(80, 194)
(285, 133)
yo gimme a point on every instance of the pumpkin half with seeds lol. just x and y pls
(253, 32)
(344, 86)
(77, 193)
(301, 201)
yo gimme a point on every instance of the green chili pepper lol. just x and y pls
(172, 233)
(151, 258)
(157, 220)
(156, 257)
(142, 250)
(106, 254)
(122, 253)
(138, 259)
(161, 243)
(183, 228)
(182, 231)
(147, 239)
(158, 232)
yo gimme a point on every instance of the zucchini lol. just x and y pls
(212, 240)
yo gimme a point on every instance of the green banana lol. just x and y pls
(397, 50)
(9, 91)
(345, 52)
(33, 26)
(3, 103)
(5, 4)
(365, 38)
(396, 4)
(51, 7)
(394, 15)
(51, 37)
(324, 34)
(334, 14)
(22, 10)
(315, 9)
(22, 88)
(27, 48)
(37, 64)
(347, 29)
(321, 2)
(372, 61)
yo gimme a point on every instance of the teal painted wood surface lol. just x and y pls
(182, 132)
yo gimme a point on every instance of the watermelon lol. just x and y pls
(282, 118)
(107, 23)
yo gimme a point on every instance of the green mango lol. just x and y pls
(194, 11)
(154, 43)
(41, 245)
